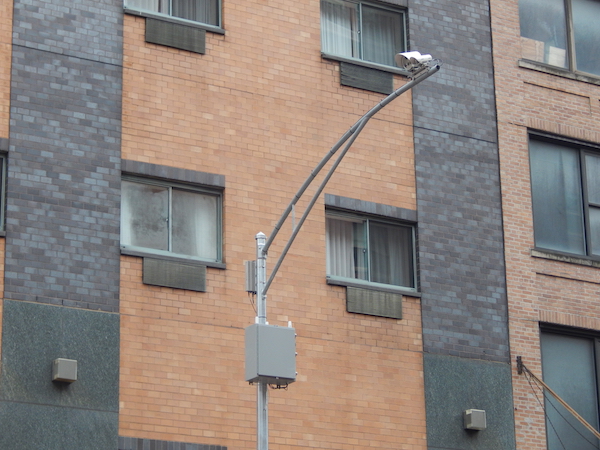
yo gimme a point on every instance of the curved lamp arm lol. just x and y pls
(349, 136)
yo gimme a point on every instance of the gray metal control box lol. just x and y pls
(64, 370)
(474, 419)
(270, 354)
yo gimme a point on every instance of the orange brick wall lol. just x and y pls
(6, 7)
(539, 290)
(262, 108)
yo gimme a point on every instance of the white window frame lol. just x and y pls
(170, 186)
(164, 8)
(366, 280)
(357, 46)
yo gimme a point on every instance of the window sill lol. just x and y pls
(166, 18)
(373, 286)
(370, 65)
(147, 254)
(565, 257)
(558, 71)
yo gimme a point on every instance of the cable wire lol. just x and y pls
(542, 405)
(521, 369)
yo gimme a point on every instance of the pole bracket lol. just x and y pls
(519, 365)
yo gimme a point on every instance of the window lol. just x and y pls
(369, 250)
(170, 219)
(562, 33)
(204, 11)
(361, 30)
(579, 388)
(565, 189)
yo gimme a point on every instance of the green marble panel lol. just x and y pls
(453, 385)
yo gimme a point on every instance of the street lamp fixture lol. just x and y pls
(412, 61)
(419, 67)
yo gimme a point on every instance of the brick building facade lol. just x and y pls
(104, 105)
(548, 107)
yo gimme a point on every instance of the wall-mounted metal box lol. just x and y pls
(250, 276)
(64, 370)
(474, 419)
(270, 354)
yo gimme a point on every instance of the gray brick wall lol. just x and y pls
(460, 98)
(461, 255)
(82, 29)
(63, 184)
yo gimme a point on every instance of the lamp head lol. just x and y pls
(412, 61)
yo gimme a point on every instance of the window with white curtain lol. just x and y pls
(203, 11)
(362, 30)
(170, 219)
(565, 190)
(370, 250)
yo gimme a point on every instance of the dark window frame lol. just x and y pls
(570, 38)
(550, 404)
(583, 149)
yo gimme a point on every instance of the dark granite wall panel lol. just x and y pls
(453, 385)
(33, 336)
(41, 427)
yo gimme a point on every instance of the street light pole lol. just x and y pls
(421, 67)
(262, 407)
